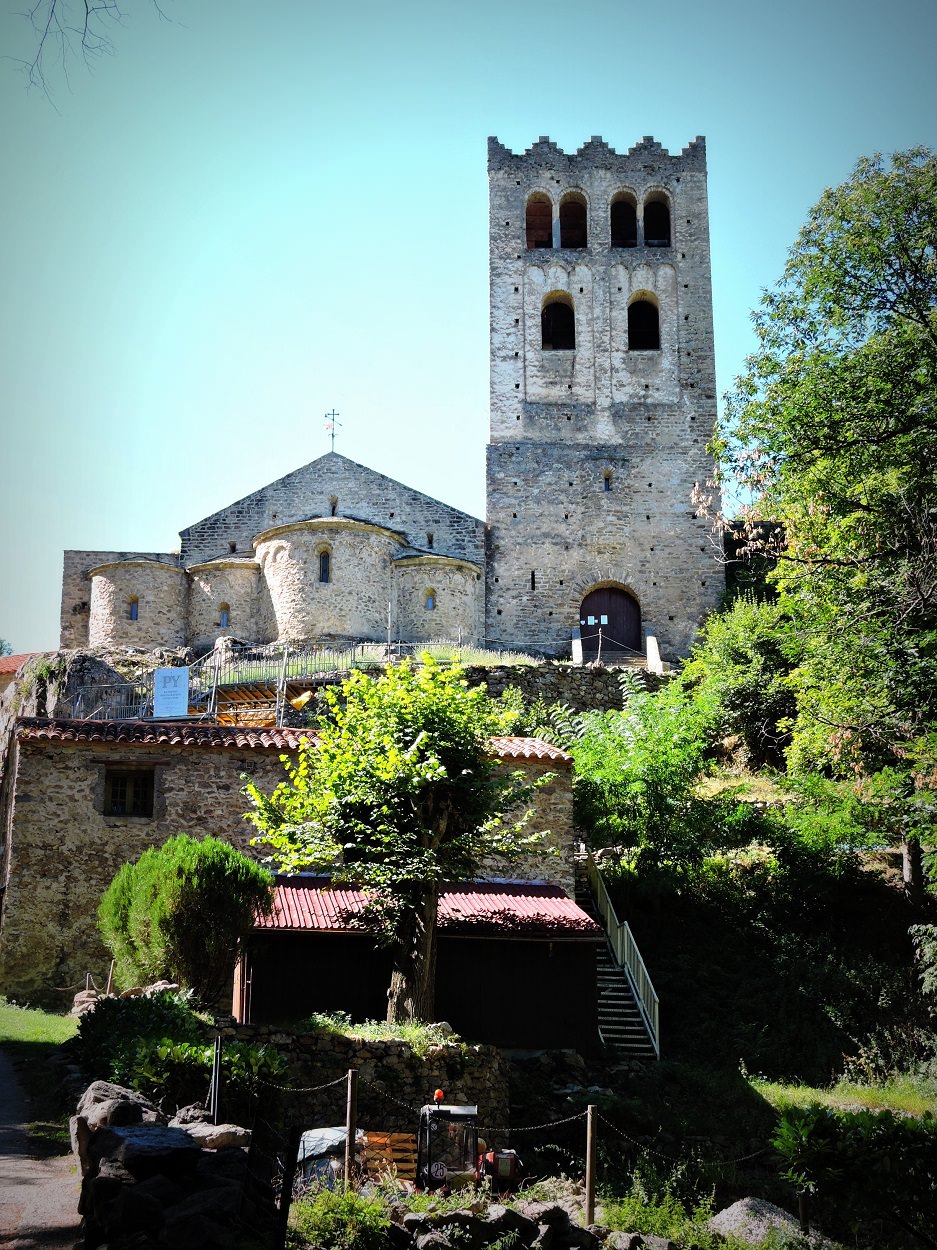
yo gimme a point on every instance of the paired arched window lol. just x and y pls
(325, 565)
(224, 615)
(133, 609)
(539, 221)
(643, 325)
(656, 221)
(624, 220)
(573, 229)
(558, 323)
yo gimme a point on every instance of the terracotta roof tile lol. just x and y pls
(523, 908)
(10, 663)
(160, 733)
(529, 749)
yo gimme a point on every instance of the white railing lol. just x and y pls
(627, 955)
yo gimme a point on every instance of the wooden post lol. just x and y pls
(590, 1164)
(803, 1210)
(351, 1125)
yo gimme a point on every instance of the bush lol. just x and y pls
(176, 1074)
(109, 1033)
(180, 911)
(340, 1221)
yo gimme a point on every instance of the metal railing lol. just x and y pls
(117, 701)
(627, 955)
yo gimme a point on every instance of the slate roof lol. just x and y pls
(310, 904)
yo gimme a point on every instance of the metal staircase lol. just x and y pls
(627, 1002)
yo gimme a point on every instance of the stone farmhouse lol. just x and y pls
(602, 402)
(601, 407)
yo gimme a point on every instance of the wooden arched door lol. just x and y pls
(617, 615)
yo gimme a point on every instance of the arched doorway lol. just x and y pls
(613, 615)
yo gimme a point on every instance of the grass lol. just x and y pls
(29, 1037)
(905, 1095)
(418, 1036)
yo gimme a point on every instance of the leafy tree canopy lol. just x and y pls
(180, 910)
(399, 794)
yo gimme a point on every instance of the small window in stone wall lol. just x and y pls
(429, 600)
(128, 791)
(133, 609)
(224, 615)
(325, 566)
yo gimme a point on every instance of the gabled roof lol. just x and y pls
(309, 904)
(10, 663)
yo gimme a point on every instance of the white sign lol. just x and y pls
(171, 692)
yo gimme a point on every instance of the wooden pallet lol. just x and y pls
(391, 1152)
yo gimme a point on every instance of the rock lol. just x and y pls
(80, 1135)
(433, 1239)
(584, 1238)
(416, 1222)
(649, 1242)
(119, 1111)
(195, 1113)
(752, 1219)
(132, 1211)
(106, 1091)
(222, 1167)
(517, 1222)
(624, 1241)
(547, 1213)
(218, 1136)
(145, 1149)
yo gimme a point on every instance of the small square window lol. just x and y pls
(128, 792)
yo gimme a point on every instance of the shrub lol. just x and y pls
(180, 911)
(109, 1033)
(340, 1221)
(178, 1073)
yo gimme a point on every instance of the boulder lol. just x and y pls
(753, 1219)
(114, 1111)
(146, 1149)
(107, 1091)
(218, 1136)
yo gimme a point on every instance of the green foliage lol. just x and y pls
(5, 648)
(29, 1025)
(832, 432)
(109, 1033)
(180, 911)
(176, 1073)
(864, 1164)
(398, 795)
(419, 1036)
(740, 666)
(339, 1221)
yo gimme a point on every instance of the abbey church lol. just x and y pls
(602, 403)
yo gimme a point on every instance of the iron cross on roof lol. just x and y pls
(331, 421)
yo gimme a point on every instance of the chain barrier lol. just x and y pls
(532, 1128)
(301, 1089)
(670, 1158)
(363, 1080)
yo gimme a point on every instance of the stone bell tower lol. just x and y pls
(602, 398)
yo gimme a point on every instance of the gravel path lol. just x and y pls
(38, 1197)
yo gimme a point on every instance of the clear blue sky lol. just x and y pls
(254, 212)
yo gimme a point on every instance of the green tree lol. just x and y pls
(832, 431)
(180, 910)
(399, 795)
(5, 648)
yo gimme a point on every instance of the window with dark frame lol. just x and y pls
(128, 791)
(325, 566)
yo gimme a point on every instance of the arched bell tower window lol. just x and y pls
(656, 221)
(133, 608)
(325, 565)
(539, 221)
(643, 324)
(558, 323)
(573, 229)
(624, 220)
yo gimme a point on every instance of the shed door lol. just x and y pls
(617, 615)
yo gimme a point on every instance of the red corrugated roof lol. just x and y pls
(200, 734)
(162, 733)
(314, 905)
(10, 663)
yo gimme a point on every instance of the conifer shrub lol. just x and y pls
(179, 912)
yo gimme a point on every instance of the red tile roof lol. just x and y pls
(202, 734)
(10, 663)
(529, 749)
(160, 733)
(524, 908)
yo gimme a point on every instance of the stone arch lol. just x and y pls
(574, 218)
(657, 219)
(610, 620)
(430, 599)
(623, 219)
(643, 322)
(557, 322)
(539, 221)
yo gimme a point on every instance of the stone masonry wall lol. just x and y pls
(236, 583)
(160, 592)
(458, 593)
(62, 851)
(76, 589)
(393, 1082)
(335, 482)
(552, 810)
(562, 422)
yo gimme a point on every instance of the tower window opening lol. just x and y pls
(325, 566)
(558, 325)
(573, 229)
(224, 615)
(624, 222)
(429, 539)
(656, 222)
(333, 505)
(232, 547)
(643, 326)
(533, 579)
(539, 222)
(133, 609)
(429, 601)
(607, 480)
